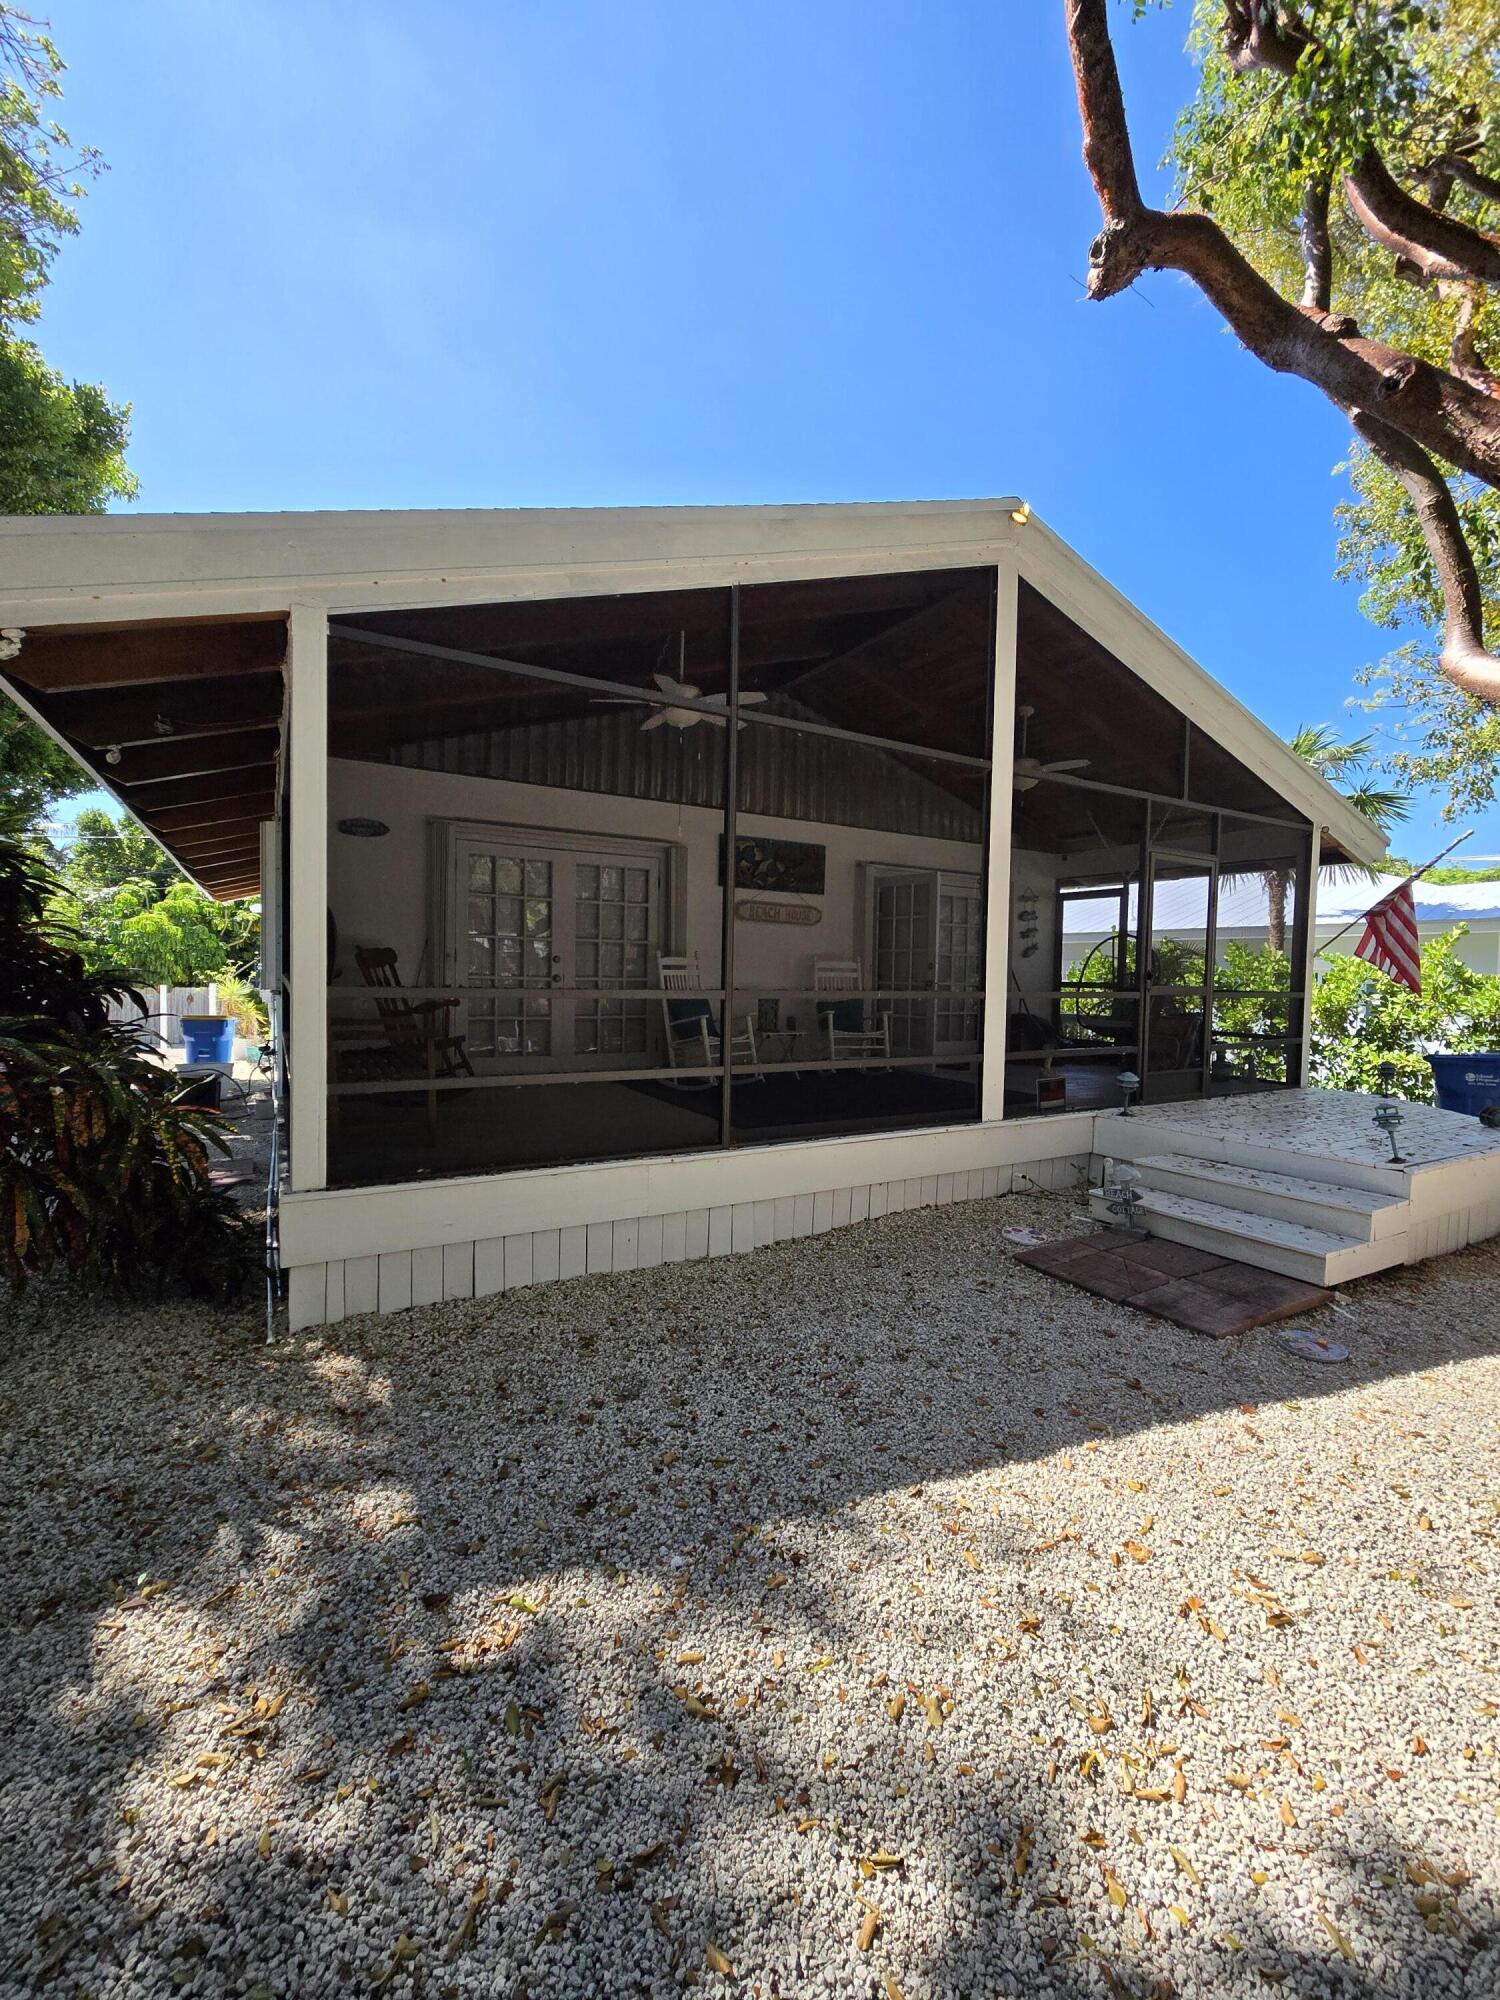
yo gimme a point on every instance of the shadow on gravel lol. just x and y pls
(464, 1651)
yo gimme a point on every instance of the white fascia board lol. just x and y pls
(1075, 587)
(63, 569)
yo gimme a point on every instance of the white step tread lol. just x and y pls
(1267, 1229)
(1326, 1194)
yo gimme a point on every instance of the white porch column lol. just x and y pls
(1309, 961)
(306, 891)
(997, 900)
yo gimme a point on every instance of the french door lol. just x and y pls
(929, 941)
(553, 929)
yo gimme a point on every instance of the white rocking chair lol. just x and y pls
(846, 1023)
(692, 1027)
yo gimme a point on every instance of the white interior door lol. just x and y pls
(928, 930)
(958, 965)
(905, 953)
(553, 927)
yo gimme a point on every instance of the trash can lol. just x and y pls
(1470, 1084)
(208, 1038)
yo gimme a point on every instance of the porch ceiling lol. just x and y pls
(181, 721)
(903, 656)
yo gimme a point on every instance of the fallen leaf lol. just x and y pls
(715, 1960)
(465, 1933)
(1186, 1866)
(1346, 1950)
(868, 1929)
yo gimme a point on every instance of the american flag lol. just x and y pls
(1390, 941)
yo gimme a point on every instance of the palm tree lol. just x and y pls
(1319, 745)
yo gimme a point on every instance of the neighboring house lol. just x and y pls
(1243, 915)
(1441, 907)
(508, 759)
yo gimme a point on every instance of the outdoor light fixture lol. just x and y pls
(113, 754)
(1130, 1083)
(1389, 1117)
(10, 641)
(164, 726)
(1022, 514)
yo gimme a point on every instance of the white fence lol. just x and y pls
(165, 1007)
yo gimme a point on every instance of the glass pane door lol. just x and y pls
(905, 939)
(1179, 941)
(958, 967)
(615, 907)
(509, 942)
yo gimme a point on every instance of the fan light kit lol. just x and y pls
(685, 690)
(1029, 769)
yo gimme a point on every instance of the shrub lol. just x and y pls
(1361, 1019)
(103, 1169)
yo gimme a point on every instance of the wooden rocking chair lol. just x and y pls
(419, 1037)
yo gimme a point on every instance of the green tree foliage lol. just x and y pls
(105, 1171)
(1361, 1018)
(1325, 84)
(34, 772)
(122, 897)
(1443, 739)
(62, 444)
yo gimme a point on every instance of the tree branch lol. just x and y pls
(1463, 658)
(1459, 169)
(1446, 416)
(1317, 248)
(1107, 152)
(1468, 363)
(1439, 246)
(1260, 36)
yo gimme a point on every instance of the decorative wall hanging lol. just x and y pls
(777, 867)
(364, 829)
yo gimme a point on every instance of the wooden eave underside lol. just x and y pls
(180, 720)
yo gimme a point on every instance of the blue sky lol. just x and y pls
(539, 252)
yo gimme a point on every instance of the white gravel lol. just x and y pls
(611, 1637)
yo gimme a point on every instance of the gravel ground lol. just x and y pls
(869, 1615)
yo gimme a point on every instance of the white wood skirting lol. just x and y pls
(324, 1294)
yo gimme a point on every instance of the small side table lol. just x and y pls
(781, 1043)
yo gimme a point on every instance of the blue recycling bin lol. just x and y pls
(1470, 1084)
(208, 1038)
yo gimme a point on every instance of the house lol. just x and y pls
(652, 883)
(1441, 908)
(1244, 917)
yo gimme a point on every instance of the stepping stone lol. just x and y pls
(1206, 1294)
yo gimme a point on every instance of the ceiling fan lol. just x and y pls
(1028, 769)
(685, 690)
